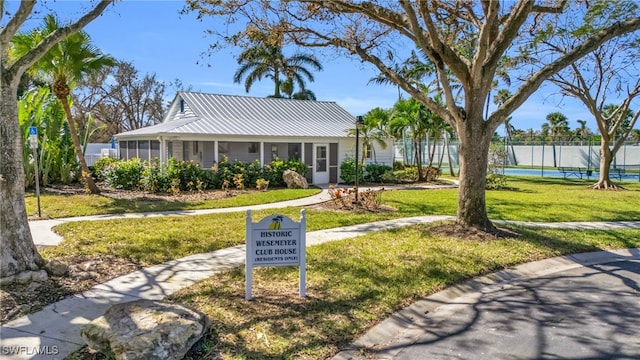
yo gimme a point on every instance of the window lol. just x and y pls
(274, 151)
(223, 148)
(294, 151)
(195, 147)
(254, 147)
(321, 158)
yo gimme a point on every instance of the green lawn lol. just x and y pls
(156, 240)
(354, 284)
(55, 206)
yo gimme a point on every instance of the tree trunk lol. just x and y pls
(606, 157)
(86, 173)
(473, 156)
(418, 155)
(19, 253)
(449, 156)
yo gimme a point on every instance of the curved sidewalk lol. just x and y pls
(44, 236)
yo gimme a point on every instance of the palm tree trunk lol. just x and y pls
(86, 174)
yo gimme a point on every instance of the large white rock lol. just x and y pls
(145, 329)
(294, 180)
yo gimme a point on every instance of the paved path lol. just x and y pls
(584, 306)
(55, 329)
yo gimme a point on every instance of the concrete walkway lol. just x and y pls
(53, 332)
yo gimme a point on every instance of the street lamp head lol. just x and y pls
(359, 121)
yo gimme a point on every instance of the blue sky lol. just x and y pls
(157, 39)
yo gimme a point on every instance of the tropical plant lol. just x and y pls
(287, 87)
(268, 60)
(372, 131)
(411, 117)
(63, 65)
(18, 251)
(57, 161)
(558, 127)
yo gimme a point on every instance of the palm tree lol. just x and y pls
(266, 60)
(582, 132)
(287, 87)
(412, 117)
(634, 135)
(373, 131)
(558, 125)
(64, 64)
(510, 129)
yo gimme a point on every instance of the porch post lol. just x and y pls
(261, 153)
(163, 151)
(215, 151)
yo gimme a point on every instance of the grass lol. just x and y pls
(354, 284)
(55, 206)
(156, 240)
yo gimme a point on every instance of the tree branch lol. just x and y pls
(55, 37)
(534, 82)
(7, 33)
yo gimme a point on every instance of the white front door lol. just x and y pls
(321, 164)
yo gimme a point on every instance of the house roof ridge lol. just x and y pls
(267, 98)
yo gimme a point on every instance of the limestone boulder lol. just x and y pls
(294, 180)
(145, 329)
(56, 268)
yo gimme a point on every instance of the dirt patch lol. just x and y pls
(85, 272)
(456, 231)
(190, 196)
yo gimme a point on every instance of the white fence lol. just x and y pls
(95, 152)
(574, 155)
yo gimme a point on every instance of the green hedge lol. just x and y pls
(177, 176)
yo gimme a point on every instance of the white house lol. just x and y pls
(205, 127)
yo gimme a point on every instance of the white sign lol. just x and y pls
(33, 137)
(276, 240)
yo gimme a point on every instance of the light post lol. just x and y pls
(359, 123)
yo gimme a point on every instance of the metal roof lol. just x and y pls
(214, 114)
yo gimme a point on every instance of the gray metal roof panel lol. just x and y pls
(241, 115)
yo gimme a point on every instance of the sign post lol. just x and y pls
(276, 240)
(33, 141)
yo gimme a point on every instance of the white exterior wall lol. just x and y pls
(383, 156)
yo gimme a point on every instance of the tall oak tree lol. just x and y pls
(467, 41)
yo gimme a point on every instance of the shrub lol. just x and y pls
(262, 184)
(398, 165)
(252, 172)
(348, 171)
(389, 177)
(497, 160)
(126, 175)
(374, 172)
(274, 170)
(153, 179)
(238, 181)
(431, 173)
(408, 174)
(101, 166)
